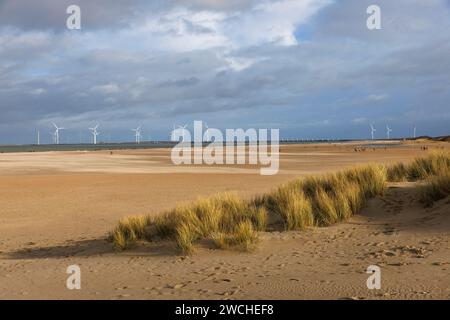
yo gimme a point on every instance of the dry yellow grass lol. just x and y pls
(291, 204)
(436, 188)
(128, 231)
(243, 238)
(420, 168)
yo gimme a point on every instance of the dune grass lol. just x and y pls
(243, 238)
(421, 168)
(128, 231)
(435, 189)
(231, 222)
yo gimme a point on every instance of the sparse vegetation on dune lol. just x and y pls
(231, 222)
(223, 218)
(243, 238)
(421, 168)
(435, 189)
(327, 199)
(128, 231)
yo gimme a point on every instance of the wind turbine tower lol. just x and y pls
(95, 133)
(56, 133)
(388, 132)
(137, 134)
(372, 130)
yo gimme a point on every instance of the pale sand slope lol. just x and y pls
(49, 222)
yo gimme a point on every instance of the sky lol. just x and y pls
(310, 68)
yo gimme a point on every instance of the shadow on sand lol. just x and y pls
(93, 247)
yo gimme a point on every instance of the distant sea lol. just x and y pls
(149, 145)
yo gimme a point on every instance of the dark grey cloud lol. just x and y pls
(50, 14)
(101, 14)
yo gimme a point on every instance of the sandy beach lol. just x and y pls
(57, 207)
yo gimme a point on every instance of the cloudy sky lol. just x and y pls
(308, 67)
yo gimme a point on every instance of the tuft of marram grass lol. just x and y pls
(258, 217)
(324, 209)
(232, 222)
(290, 203)
(435, 189)
(397, 172)
(434, 164)
(243, 238)
(371, 179)
(128, 231)
(185, 236)
(117, 237)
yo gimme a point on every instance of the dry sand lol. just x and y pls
(56, 207)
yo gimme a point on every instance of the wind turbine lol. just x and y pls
(95, 133)
(372, 130)
(38, 138)
(388, 132)
(137, 134)
(414, 129)
(56, 133)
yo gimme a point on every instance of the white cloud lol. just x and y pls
(377, 97)
(239, 63)
(359, 120)
(38, 91)
(183, 29)
(106, 88)
(273, 22)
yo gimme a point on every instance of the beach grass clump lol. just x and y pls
(371, 179)
(186, 234)
(225, 214)
(259, 217)
(434, 164)
(325, 212)
(335, 197)
(128, 231)
(397, 172)
(435, 189)
(290, 203)
(233, 210)
(243, 238)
